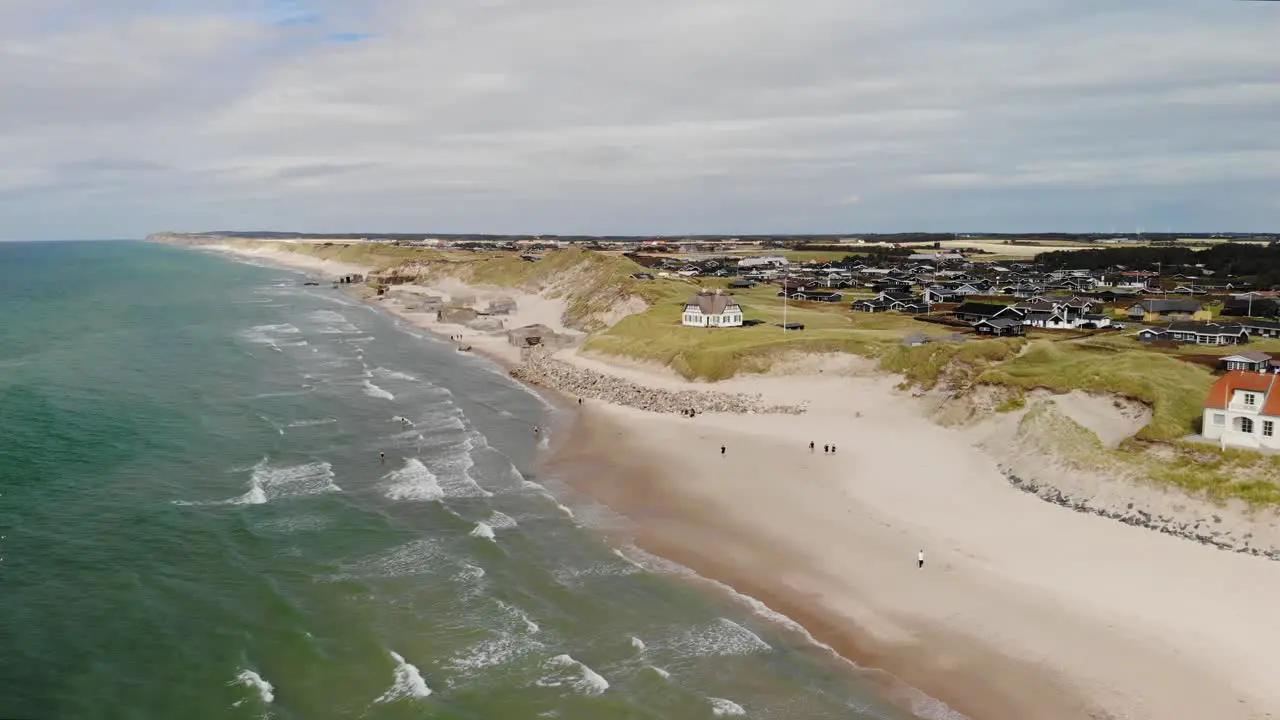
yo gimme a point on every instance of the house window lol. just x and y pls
(1268, 428)
(1219, 419)
(1250, 399)
(1246, 425)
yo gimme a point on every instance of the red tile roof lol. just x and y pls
(1222, 390)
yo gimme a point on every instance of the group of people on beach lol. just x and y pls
(826, 449)
(689, 412)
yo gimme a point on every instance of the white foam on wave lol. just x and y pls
(721, 637)
(498, 650)
(454, 464)
(269, 482)
(574, 674)
(394, 374)
(408, 684)
(374, 391)
(442, 424)
(251, 679)
(270, 334)
(539, 489)
(413, 558)
(501, 521)
(272, 423)
(573, 575)
(726, 708)
(622, 556)
(414, 482)
(296, 523)
(312, 423)
(470, 573)
(482, 530)
(512, 639)
(661, 673)
(637, 643)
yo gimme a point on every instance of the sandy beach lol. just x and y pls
(1023, 609)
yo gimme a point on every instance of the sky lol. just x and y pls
(657, 117)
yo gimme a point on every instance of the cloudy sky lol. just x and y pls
(118, 118)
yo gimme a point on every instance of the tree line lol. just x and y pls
(1259, 264)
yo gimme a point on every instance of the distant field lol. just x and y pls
(1006, 250)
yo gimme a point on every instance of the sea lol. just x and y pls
(225, 493)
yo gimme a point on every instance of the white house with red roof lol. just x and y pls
(1243, 410)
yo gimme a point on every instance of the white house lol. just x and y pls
(712, 309)
(764, 261)
(1243, 410)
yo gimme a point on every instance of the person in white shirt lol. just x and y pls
(920, 559)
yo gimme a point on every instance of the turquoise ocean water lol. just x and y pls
(196, 523)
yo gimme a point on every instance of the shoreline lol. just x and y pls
(1104, 661)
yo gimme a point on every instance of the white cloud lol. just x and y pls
(611, 116)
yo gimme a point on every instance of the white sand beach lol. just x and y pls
(1023, 608)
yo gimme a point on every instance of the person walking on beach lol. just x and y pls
(810, 446)
(382, 457)
(920, 559)
(826, 449)
(722, 450)
(833, 449)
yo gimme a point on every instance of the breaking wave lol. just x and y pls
(269, 482)
(408, 684)
(374, 391)
(568, 672)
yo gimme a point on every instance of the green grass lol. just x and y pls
(1219, 474)
(961, 363)
(1013, 403)
(1174, 389)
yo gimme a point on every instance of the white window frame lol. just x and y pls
(1268, 428)
(1250, 399)
(1219, 420)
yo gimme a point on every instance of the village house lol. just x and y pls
(813, 294)
(873, 305)
(1198, 333)
(1261, 328)
(938, 294)
(712, 308)
(1251, 361)
(913, 306)
(1243, 409)
(1156, 310)
(975, 311)
(999, 327)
